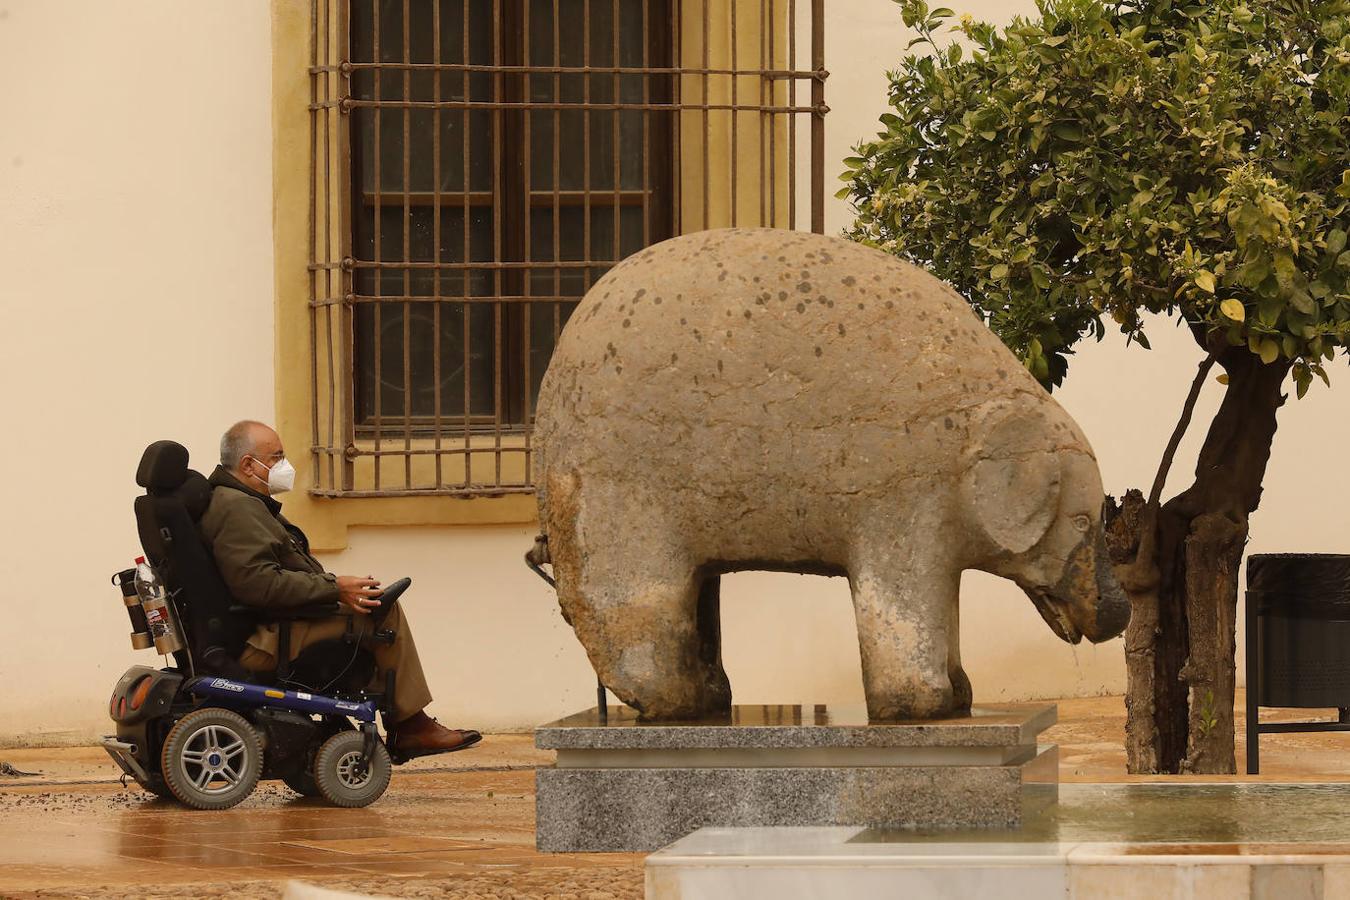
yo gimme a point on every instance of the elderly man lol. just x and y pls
(265, 562)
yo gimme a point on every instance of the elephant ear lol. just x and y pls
(1013, 480)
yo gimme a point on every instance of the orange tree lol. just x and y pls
(1104, 159)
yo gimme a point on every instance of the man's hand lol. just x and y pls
(359, 594)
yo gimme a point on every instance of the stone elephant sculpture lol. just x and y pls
(764, 399)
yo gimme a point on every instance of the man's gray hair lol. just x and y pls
(238, 442)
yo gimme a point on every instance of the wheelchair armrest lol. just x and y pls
(388, 597)
(289, 614)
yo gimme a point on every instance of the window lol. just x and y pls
(491, 160)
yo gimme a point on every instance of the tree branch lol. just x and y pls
(1142, 575)
(1169, 455)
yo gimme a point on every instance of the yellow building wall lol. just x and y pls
(136, 303)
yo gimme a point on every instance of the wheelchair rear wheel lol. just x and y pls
(340, 777)
(211, 759)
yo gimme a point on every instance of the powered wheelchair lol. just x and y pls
(204, 730)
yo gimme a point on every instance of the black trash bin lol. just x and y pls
(1298, 641)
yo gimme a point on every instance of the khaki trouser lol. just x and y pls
(410, 685)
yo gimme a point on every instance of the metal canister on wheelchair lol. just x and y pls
(140, 629)
(153, 620)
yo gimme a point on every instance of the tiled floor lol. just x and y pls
(459, 825)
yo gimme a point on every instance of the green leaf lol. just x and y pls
(998, 272)
(1068, 131)
(1335, 241)
(1270, 351)
(1204, 279)
(1233, 309)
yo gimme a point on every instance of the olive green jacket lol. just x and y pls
(263, 559)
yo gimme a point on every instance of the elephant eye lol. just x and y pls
(1082, 522)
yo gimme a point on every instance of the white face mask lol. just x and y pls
(280, 477)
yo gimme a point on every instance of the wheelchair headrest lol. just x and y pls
(163, 466)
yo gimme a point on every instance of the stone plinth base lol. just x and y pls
(622, 785)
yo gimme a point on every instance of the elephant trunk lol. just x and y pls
(1088, 601)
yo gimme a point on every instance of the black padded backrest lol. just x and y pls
(166, 519)
(163, 466)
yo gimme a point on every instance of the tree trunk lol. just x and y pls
(1179, 564)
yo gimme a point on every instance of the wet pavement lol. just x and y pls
(462, 825)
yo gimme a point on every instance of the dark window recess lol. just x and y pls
(503, 157)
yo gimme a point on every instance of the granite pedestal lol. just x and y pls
(624, 785)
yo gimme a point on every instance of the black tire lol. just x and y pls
(302, 782)
(206, 747)
(335, 771)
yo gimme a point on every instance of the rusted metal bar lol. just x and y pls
(765, 119)
(436, 238)
(406, 186)
(493, 266)
(819, 109)
(312, 216)
(586, 140)
(346, 325)
(803, 74)
(589, 105)
(468, 490)
(617, 125)
(498, 212)
(358, 299)
(646, 126)
(771, 26)
(735, 118)
(677, 101)
(378, 229)
(466, 283)
(557, 174)
(792, 124)
(446, 451)
(527, 229)
(484, 198)
(707, 131)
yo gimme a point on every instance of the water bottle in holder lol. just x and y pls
(159, 616)
(140, 630)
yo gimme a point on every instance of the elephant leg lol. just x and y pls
(961, 689)
(709, 624)
(649, 625)
(906, 626)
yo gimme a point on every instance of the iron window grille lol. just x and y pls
(479, 164)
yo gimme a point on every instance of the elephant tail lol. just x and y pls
(563, 492)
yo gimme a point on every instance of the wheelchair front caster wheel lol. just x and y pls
(211, 759)
(341, 778)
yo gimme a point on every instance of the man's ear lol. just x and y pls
(1012, 480)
